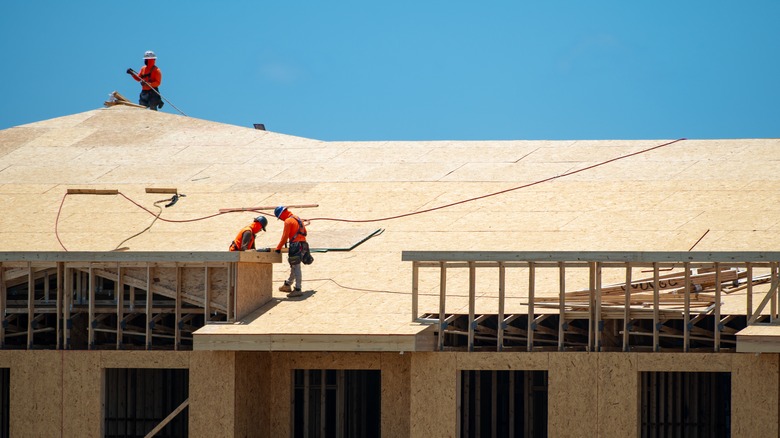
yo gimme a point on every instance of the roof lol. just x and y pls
(714, 195)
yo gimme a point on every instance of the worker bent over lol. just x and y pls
(245, 239)
(295, 234)
(150, 78)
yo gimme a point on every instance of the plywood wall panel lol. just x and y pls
(334, 361)
(82, 381)
(692, 362)
(254, 286)
(281, 395)
(396, 389)
(572, 395)
(754, 395)
(144, 359)
(503, 361)
(212, 393)
(433, 395)
(253, 394)
(36, 392)
(618, 395)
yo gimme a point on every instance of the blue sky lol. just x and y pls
(410, 70)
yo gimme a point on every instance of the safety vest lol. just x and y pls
(236, 244)
(301, 231)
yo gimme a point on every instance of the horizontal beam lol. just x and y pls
(141, 256)
(589, 256)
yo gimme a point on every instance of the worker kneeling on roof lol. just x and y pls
(245, 239)
(295, 234)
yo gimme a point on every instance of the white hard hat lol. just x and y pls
(150, 55)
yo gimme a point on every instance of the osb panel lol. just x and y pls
(618, 395)
(36, 392)
(503, 361)
(82, 404)
(754, 395)
(334, 361)
(253, 287)
(212, 393)
(433, 409)
(572, 397)
(145, 359)
(253, 394)
(280, 395)
(396, 390)
(692, 362)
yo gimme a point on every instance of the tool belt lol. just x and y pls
(299, 253)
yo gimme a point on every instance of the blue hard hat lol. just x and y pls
(278, 210)
(263, 221)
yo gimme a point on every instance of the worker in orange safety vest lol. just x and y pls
(150, 78)
(245, 239)
(294, 234)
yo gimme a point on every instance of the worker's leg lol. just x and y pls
(295, 276)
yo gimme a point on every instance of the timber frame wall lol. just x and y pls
(582, 323)
(144, 300)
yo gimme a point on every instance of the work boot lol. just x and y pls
(285, 288)
(295, 293)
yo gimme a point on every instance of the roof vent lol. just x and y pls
(260, 126)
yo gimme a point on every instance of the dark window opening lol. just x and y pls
(5, 398)
(139, 399)
(503, 403)
(336, 403)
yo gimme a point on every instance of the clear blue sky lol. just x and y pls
(410, 69)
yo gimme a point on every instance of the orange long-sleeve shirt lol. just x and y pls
(151, 74)
(290, 228)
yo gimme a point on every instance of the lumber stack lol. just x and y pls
(117, 99)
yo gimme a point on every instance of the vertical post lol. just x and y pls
(773, 299)
(30, 304)
(91, 304)
(656, 310)
(687, 310)
(207, 295)
(46, 291)
(60, 279)
(149, 323)
(3, 294)
(599, 324)
(442, 299)
(627, 309)
(591, 304)
(231, 290)
(177, 317)
(561, 304)
(749, 267)
(67, 303)
(531, 315)
(120, 305)
(472, 302)
(501, 298)
(415, 285)
(716, 329)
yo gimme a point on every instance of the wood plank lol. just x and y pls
(592, 256)
(415, 290)
(148, 312)
(30, 304)
(91, 303)
(562, 304)
(472, 303)
(442, 304)
(3, 298)
(627, 310)
(501, 298)
(168, 419)
(531, 315)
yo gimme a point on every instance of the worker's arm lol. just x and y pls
(156, 78)
(286, 233)
(246, 237)
(133, 74)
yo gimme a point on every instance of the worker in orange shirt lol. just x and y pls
(294, 234)
(245, 239)
(150, 78)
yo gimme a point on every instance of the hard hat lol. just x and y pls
(149, 55)
(278, 210)
(262, 220)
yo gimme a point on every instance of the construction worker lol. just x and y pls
(150, 78)
(245, 239)
(294, 234)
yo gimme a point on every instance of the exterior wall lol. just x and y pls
(253, 287)
(248, 394)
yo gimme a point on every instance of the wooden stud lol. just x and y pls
(149, 306)
(231, 295)
(597, 313)
(591, 305)
(30, 304)
(687, 309)
(442, 300)
(207, 295)
(531, 314)
(773, 305)
(562, 304)
(656, 310)
(501, 299)
(3, 297)
(627, 309)
(59, 320)
(716, 320)
(749, 267)
(472, 303)
(177, 317)
(91, 319)
(415, 290)
(67, 302)
(168, 419)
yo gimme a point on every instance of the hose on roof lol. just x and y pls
(427, 210)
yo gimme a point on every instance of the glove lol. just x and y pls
(278, 251)
(130, 71)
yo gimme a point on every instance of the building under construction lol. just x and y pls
(459, 288)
